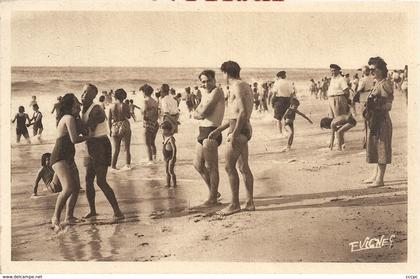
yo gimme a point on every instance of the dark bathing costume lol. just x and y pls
(281, 104)
(21, 126)
(290, 117)
(167, 154)
(63, 150)
(204, 133)
(37, 125)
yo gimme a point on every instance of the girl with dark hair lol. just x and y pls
(379, 133)
(62, 159)
(48, 176)
(119, 127)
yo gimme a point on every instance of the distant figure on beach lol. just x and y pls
(379, 135)
(264, 97)
(62, 159)
(189, 100)
(289, 118)
(313, 88)
(282, 93)
(102, 102)
(21, 130)
(56, 108)
(150, 121)
(240, 132)
(197, 96)
(169, 107)
(48, 176)
(338, 92)
(132, 108)
(98, 157)
(210, 112)
(169, 152)
(33, 102)
(36, 121)
(256, 96)
(365, 86)
(120, 129)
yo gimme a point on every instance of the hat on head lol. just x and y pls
(335, 66)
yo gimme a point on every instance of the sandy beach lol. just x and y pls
(310, 202)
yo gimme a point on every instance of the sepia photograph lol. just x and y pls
(159, 135)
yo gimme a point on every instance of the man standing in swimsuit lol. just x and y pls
(210, 113)
(99, 152)
(240, 132)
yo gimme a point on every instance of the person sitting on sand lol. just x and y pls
(132, 107)
(62, 159)
(169, 152)
(339, 125)
(36, 121)
(21, 129)
(289, 118)
(48, 176)
(240, 132)
(119, 127)
(150, 121)
(98, 157)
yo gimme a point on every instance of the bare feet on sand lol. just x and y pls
(231, 209)
(90, 216)
(376, 184)
(368, 180)
(55, 224)
(249, 206)
(71, 220)
(118, 217)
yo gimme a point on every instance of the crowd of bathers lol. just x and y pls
(217, 109)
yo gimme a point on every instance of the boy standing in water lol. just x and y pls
(21, 129)
(289, 118)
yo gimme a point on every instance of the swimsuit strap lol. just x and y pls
(167, 140)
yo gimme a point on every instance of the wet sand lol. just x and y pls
(310, 202)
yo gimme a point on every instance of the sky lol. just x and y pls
(206, 39)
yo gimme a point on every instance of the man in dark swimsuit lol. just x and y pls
(99, 152)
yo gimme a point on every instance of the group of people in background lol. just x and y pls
(217, 110)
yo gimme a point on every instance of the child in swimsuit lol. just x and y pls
(47, 174)
(21, 129)
(289, 118)
(132, 107)
(36, 121)
(169, 152)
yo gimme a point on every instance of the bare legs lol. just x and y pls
(378, 174)
(69, 178)
(149, 138)
(232, 156)
(117, 146)
(206, 163)
(100, 172)
(170, 172)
